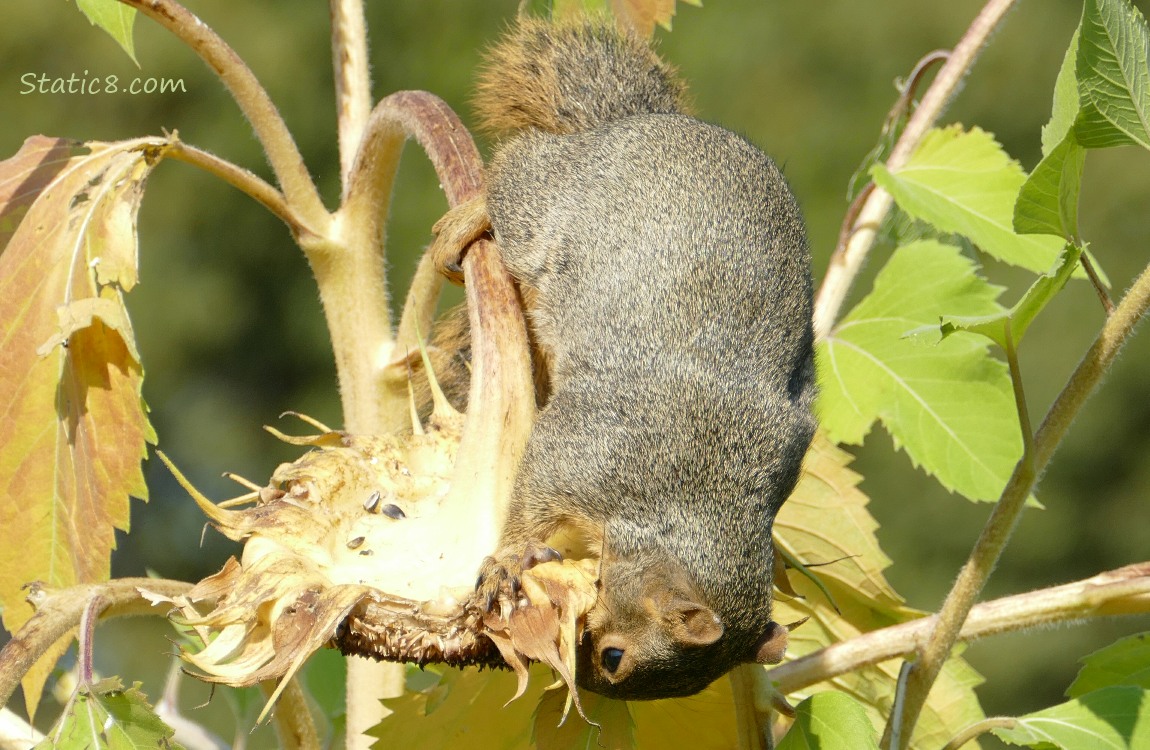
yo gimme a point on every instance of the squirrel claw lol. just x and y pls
(537, 554)
(454, 232)
(500, 581)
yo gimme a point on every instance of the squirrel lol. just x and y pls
(667, 276)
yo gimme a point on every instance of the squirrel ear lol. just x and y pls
(691, 623)
(772, 646)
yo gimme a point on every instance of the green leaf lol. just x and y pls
(1064, 110)
(1048, 201)
(1124, 662)
(1023, 313)
(1107, 719)
(115, 18)
(963, 182)
(1113, 77)
(106, 715)
(830, 721)
(950, 405)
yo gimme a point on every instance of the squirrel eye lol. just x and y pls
(611, 658)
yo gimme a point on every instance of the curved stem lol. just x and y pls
(253, 100)
(845, 266)
(352, 79)
(1125, 591)
(980, 727)
(452, 152)
(243, 180)
(58, 612)
(460, 170)
(1004, 517)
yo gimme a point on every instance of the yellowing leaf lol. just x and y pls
(825, 522)
(74, 427)
(460, 708)
(611, 725)
(640, 15)
(644, 15)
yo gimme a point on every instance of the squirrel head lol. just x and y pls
(651, 634)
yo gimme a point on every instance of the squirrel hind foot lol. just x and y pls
(454, 232)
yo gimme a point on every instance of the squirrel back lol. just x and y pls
(667, 267)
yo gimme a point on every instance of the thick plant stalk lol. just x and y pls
(1125, 591)
(1004, 517)
(295, 729)
(362, 341)
(848, 259)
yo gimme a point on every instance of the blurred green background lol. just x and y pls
(231, 332)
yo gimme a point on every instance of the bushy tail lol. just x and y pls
(565, 77)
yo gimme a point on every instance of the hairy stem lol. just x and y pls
(1004, 517)
(352, 79)
(253, 100)
(437, 129)
(845, 265)
(1124, 591)
(58, 612)
(295, 728)
(1019, 392)
(243, 180)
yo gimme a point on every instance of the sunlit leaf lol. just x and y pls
(459, 707)
(75, 428)
(114, 17)
(1048, 201)
(555, 729)
(1113, 77)
(950, 405)
(963, 182)
(830, 721)
(1109, 719)
(952, 704)
(825, 523)
(107, 715)
(1024, 311)
(1124, 662)
(1064, 109)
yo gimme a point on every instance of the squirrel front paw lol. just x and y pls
(457, 229)
(500, 576)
